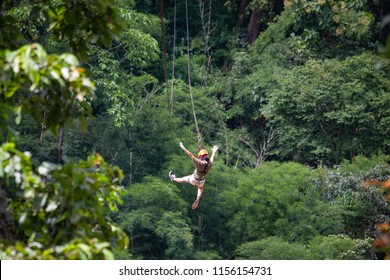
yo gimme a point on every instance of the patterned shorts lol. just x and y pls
(191, 180)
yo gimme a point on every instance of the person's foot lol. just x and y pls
(171, 176)
(195, 205)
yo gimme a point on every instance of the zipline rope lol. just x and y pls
(189, 76)
(173, 60)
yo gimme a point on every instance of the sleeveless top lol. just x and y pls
(202, 167)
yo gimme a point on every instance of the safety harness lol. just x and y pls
(203, 172)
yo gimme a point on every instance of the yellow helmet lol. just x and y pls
(202, 153)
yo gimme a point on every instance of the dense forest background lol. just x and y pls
(96, 96)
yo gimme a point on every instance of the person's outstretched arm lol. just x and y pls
(186, 151)
(214, 149)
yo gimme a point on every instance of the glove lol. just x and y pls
(182, 146)
(215, 148)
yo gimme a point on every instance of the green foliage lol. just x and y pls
(83, 22)
(79, 23)
(291, 202)
(207, 255)
(312, 217)
(265, 194)
(330, 26)
(332, 247)
(275, 33)
(177, 234)
(339, 247)
(281, 99)
(42, 144)
(255, 77)
(363, 165)
(61, 211)
(155, 194)
(118, 71)
(365, 205)
(30, 70)
(251, 79)
(336, 111)
(136, 20)
(272, 248)
(153, 217)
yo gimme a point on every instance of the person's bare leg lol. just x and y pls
(200, 192)
(181, 180)
(173, 178)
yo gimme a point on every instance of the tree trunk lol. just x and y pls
(205, 16)
(236, 31)
(253, 27)
(60, 144)
(43, 127)
(6, 221)
(131, 167)
(240, 16)
(164, 48)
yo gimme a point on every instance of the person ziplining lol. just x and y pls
(198, 177)
(202, 163)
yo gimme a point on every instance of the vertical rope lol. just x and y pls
(189, 75)
(164, 50)
(173, 61)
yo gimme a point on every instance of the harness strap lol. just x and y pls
(207, 165)
(204, 171)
